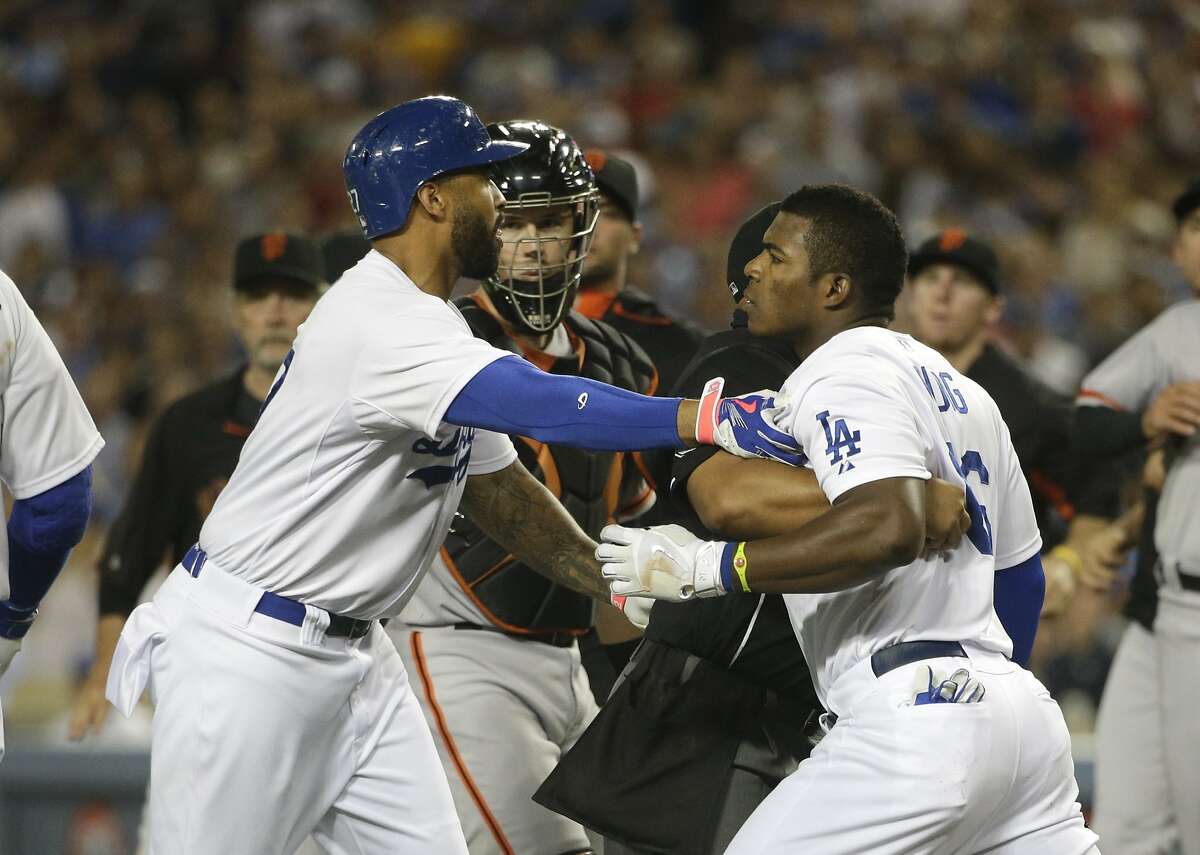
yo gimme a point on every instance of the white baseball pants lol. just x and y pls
(265, 731)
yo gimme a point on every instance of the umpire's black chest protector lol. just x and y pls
(592, 486)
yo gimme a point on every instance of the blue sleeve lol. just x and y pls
(514, 397)
(1018, 595)
(42, 530)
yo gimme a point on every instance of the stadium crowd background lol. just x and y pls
(139, 140)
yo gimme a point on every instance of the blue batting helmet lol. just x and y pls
(402, 148)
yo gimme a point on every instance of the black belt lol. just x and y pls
(554, 639)
(284, 608)
(907, 652)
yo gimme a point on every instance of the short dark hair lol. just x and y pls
(853, 233)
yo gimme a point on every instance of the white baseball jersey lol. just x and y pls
(872, 404)
(46, 432)
(348, 483)
(1165, 352)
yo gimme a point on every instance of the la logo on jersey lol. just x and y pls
(839, 439)
(457, 447)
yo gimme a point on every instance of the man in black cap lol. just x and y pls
(194, 444)
(604, 292)
(708, 715)
(953, 301)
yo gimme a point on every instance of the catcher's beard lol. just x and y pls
(474, 243)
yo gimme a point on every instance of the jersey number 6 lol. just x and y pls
(980, 532)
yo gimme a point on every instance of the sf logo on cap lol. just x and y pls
(273, 245)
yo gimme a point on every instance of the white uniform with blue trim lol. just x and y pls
(892, 776)
(47, 435)
(265, 730)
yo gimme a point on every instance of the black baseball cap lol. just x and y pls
(1188, 201)
(341, 251)
(747, 243)
(955, 246)
(277, 255)
(616, 179)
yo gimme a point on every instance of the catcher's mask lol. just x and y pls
(550, 212)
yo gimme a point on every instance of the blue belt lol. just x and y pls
(907, 652)
(284, 608)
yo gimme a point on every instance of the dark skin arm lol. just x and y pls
(514, 509)
(787, 497)
(869, 530)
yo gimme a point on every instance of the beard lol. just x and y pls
(474, 244)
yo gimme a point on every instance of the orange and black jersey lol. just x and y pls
(192, 450)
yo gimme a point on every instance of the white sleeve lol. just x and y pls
(48, 434)
(1015, 534)
(490, 452)
(407, 377)
(1132, 375)
(855, 428)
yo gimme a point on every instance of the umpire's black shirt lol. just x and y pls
(192, 450)
(753, 632)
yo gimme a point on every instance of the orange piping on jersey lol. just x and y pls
(235, 428)
(1053, 492)
(636, 506)
(460, 765)
(512, 629)
(612, 485)
(541, 359)
(593, 303)
(1101, 397)
(493, 570)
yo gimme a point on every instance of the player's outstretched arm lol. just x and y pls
(785, 498)
(869, 530)
(518, 512)
(512, 396)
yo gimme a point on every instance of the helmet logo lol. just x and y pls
(595, 159)
(273, 246)
(353, 194)
(952, 239)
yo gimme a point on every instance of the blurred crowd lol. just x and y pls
(140, 139)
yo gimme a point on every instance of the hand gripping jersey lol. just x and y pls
(46, 433)
(871, 404)
(348, 483)
(474, 578)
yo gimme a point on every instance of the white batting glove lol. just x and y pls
(8, 649)
(635, 609)
(666, 562)
(959, 688)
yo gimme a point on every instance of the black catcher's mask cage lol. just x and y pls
(532, 292)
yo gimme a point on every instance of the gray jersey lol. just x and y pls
(1167, 351)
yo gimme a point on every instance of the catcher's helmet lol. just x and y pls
(535, 289)
(402, 148)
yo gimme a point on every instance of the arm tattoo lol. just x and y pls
(520, 514)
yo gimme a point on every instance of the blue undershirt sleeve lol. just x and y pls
(1018, 594)
(514, 397)
(42, 530)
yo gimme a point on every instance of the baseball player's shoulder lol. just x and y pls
(1179, 317)
(637, 306)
